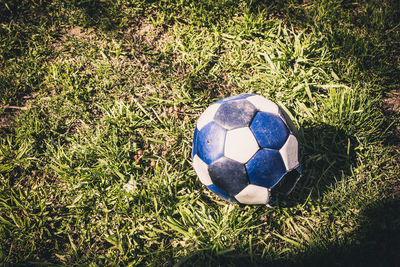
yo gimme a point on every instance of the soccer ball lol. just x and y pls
(245, 150)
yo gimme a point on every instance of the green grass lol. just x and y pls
(99, 100)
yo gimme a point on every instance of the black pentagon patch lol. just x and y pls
(286, 184)
(229, 175)
(235, 114)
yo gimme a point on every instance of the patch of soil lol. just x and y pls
(75, 32)
(391, 103)
(79, 32)
(148, 34)
(391, 108)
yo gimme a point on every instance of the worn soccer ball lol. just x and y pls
(245, 150)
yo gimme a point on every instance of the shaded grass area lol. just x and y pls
(96, 168)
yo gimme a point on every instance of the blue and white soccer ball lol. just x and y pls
(245, 150)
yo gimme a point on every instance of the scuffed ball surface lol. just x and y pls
(245, 150)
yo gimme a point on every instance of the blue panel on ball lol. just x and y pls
(269, 130)
(235, 114)
(194, 146)
(266, 168)
(221, 193)
(229, 175)
(210, 142)
(235, 97)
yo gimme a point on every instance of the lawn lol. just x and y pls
(99, 101)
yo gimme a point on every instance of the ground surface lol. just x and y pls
(98, 103)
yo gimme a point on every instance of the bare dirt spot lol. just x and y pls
(79, 32)
(391, 107)
(75, 32)
(146, 33)
(391, 103)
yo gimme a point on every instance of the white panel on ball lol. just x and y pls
(253, 194)
(201, 169)
(240, 144)
(207, 116)
(263, 104)
(290, 153)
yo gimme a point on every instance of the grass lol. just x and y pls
(98, 103)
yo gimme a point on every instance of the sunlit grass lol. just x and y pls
(96, 168)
